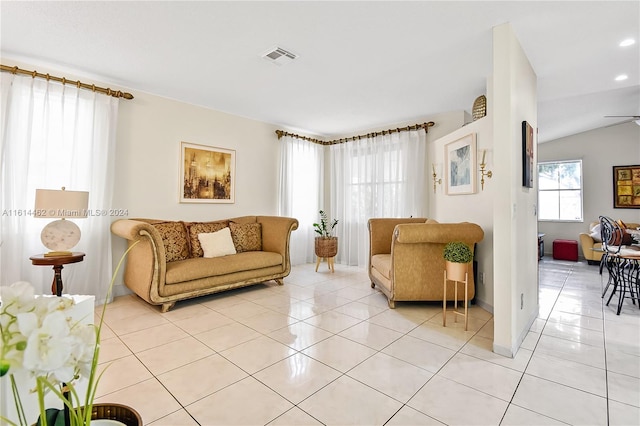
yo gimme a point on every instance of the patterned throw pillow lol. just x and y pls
(246, 236)
(174, 238)
(203, 228)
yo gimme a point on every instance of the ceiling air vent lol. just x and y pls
(279, 56)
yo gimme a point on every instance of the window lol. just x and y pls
(560, 190)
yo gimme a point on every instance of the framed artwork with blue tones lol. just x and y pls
(460, 166)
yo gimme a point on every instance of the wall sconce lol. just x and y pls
(60, 235)
(436, 179)
(483, 172)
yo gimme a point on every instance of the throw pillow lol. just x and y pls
(174, 239)
(216, 244)
(203, 228)
(619, 235)
(595, 233)
(627, 239)
(246, 236)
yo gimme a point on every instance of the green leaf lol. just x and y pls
(53, 417)
(4, 367)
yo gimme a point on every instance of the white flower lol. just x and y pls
(49, 347)
(39, 335)
(16, 298)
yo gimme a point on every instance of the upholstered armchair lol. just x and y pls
(405, 257)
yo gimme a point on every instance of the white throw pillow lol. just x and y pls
(216, 244)
(595, 234)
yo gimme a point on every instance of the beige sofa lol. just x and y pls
(591, 242)
(405, 259)
(167, 265)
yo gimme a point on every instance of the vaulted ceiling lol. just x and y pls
(360, 65)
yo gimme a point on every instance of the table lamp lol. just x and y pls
(60, 235)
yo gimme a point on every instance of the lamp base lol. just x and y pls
(60, 235)
(57, 253)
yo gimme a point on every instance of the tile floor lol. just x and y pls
(325, 349)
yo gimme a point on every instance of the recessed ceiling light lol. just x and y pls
(622, 77)
(627, 42)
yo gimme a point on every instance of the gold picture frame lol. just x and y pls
(626, 187)
(207, 174)
(460, 166)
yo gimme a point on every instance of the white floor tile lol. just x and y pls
(440, 398)
(560, 402)
(297, 377)
(569, 373)
(391, 376)
(481, 375)
(201, 378)
(256, 354)
(339, 353)
(518, 416)
(346, 401)
(247, 402)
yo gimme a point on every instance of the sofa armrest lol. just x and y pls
(587, 243)
(381, 232)
(276, 233)
(146, 262)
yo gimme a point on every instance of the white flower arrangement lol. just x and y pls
(38, 334)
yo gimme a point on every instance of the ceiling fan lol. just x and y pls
(634, 118)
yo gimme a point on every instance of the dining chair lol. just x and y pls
(622, 262)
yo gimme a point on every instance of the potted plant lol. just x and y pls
(326, 245)
(457, 255)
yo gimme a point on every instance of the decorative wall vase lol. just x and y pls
(479, 107)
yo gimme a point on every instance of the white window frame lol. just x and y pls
(560, 190)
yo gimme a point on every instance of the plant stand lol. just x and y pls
(326, 248)
(329, 262)
(455, 300)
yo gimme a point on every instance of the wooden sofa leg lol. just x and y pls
(167, 306)
(280, 281)
(373, 285)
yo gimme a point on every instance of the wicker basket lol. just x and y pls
(119, 412)
(326, 246)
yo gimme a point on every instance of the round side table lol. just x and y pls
(57, 262)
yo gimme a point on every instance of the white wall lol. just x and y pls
(514, 99)
(150, 129)
(476, 208)
(599, 150)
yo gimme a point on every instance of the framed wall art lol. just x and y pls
(460, 166)
(527, 155)
(207, 174)
(626, 187)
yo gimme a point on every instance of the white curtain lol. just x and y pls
(383, 176)
(301, 191)
(52, 136)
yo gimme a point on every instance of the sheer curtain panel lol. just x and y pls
(53, 136)
(382, 176)
(301, 192)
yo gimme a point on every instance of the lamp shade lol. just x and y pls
(61, 203)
